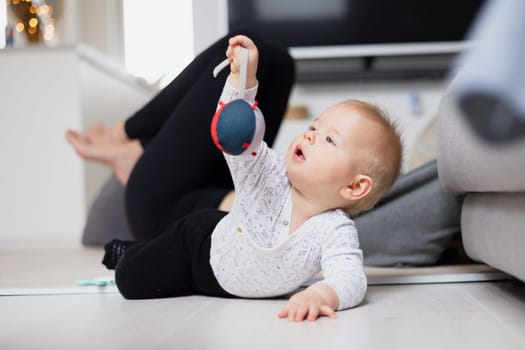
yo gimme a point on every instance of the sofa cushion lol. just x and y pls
(467, 163)
(413, 224)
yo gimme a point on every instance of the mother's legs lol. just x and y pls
(181, 157)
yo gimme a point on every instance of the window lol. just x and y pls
(158, 38)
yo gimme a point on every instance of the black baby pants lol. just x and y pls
(176, 263)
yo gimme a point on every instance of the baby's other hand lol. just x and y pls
(308, 305)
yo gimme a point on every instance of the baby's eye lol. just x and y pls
(330, 140)
(311, 128)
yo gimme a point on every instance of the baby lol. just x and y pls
(291, 215)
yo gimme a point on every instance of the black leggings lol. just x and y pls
(181, 170)
(176, 263)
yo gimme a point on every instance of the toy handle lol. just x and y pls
(243, 72)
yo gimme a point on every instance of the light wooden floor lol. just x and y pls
(479, 315)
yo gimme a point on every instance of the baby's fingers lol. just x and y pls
(242, 40)
(326, 310)
(301, 313)
(313, 313)
(292, 310)
(284, 312)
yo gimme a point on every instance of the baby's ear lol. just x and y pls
(360, 186)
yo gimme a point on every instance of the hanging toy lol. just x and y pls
(238, 126)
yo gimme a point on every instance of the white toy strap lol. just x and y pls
(243, 72)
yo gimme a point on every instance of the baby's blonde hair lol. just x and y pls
(383, 162)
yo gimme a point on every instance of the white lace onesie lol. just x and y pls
(252, 253)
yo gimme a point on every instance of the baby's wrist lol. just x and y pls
(251, 83)
(234, 80)
(327, 294)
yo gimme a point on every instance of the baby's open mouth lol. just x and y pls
(299, 153)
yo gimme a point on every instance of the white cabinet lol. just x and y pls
(44, 187)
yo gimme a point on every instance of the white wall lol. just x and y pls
(41, 180)
(208, 22)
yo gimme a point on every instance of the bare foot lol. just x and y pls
(99, 133)
(126, 159)
(100, 145)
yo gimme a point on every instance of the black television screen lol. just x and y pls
(361, 23)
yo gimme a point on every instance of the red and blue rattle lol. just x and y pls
(238, 126)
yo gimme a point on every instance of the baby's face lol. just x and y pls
(328, 155)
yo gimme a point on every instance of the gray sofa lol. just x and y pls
(481, 138)
(493, 178)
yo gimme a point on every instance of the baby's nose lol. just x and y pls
(310, 136)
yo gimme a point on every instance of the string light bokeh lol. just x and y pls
(35, 20)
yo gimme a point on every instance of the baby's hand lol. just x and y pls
(307, 304)
(234, 55)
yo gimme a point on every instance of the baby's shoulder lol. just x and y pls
(337, 218)
(336, 225)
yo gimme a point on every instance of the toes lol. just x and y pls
(95, 130)
(80, 144)
(73, 136)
